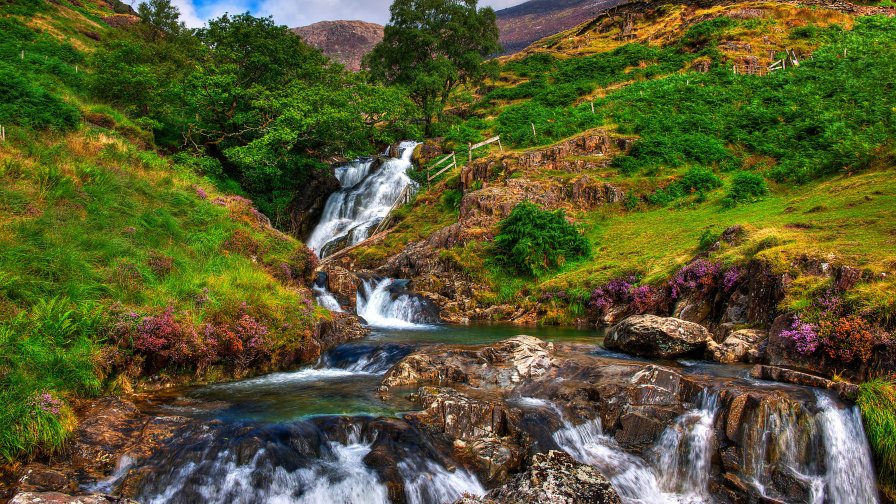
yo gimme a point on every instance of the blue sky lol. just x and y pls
(299, 12)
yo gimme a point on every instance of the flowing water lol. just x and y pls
(367, 194)
(324, 434)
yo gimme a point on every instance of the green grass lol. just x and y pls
(877, 401)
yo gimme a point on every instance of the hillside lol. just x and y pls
(120, 267)
(534, 20)
(345, 41)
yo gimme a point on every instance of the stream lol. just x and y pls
(325, 434)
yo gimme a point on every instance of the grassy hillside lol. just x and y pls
(115, 262)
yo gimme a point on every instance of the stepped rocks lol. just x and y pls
(553, 477)
(658, 337)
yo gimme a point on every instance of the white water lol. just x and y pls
(428, 482)
(326, 299)
(850, 470)
(365, 199)
(376, 306)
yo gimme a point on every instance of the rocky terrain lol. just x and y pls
(531, 21)
(345, 41)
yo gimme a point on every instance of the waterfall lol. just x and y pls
(364, 358)
(850, 470)
(324, 297)
(426, 481)
(380, 307)
(365, 198)
(683, 454)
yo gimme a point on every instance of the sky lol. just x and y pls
(300, 12)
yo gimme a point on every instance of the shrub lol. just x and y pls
(848, 339)
(532, 241)
(877, 401)
(745, 187)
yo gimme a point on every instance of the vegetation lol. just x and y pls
(433, 46)
(876, 401)
(533, 241)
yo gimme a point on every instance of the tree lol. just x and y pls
(431, 47)
(162, 18)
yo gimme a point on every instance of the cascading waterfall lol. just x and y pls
(850, 469)
(425, 482)
(378, 305)
(364, 200)
(324, 297)
(683, 454)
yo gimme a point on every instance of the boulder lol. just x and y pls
(740, 346)
(59, 498)
(658, 337)
(553, 478)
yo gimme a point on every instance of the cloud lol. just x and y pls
(299, 12)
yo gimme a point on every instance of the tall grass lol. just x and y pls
(877, 401)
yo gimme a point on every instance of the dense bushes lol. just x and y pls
(745, 187)
(532, 241)
(28, 105)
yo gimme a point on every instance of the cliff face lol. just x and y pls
(536, 19)
(345, 41)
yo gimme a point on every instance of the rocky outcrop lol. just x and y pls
(308, 202)
(746, 345)
(59, 498)
(532, 21)
(658, 337)
(342, 283)
(846, 391)
(553, 477)
(329, 333)
(347, 42)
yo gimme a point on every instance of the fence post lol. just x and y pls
(534, 135)
(23, 54)
(500, 146)
(592, 107)
(470, 146)
(3, 133)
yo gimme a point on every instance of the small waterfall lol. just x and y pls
(427, 482)
(362, 358)
(364, 200)
(683, 454)
(850, 470)
(380, 307)
(324, 297)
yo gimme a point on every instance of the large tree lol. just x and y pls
(433, 46)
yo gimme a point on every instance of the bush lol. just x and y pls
(27, 104)
(533, 241)
(745, 187)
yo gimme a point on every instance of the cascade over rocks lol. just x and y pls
(652, 336)
(59, 498)
(553, 477)
(308, 202)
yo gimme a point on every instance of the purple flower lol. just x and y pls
(47, 403)
(804, 335)
(731, 279)
(701, 275)
(201, 193)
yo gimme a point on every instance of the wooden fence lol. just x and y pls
(483, 144)
(403, 199)
(2, 133)
(453, 164)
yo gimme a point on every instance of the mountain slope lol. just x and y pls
(529, 22)
(344, 41)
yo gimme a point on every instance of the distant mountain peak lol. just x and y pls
(529, 22)
(344, 41)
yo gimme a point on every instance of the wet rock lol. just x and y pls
(461, 416)
(658, 337)
(329, 333)
(847, 391)
(37, 477)
(553, 478)
(59, 498)
(739, 346)
(308, 202)
(342, 283)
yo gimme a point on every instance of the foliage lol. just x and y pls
(29, 105)
(431, 47)
(532, 241)
(877, 401)
(697, 181)
(745, 187)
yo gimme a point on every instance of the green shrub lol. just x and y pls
(451, 199)
(745, 187)
(27, 104)
(532, 241)
(877, 401)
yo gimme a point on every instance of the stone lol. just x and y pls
(658, 337)
(553, 478)
(308, 202)
(847, 391)
(737, 346)
(59, 498)
(37, 477)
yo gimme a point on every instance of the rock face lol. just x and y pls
(658, 337)
(553, 477)
(746, 345)
(308, 203)
(344, 41)
(58, 498)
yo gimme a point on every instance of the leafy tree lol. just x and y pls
(431, 47)
(161, 18)
(532, 241)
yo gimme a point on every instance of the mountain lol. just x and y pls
(345, 41)
(529, 22)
